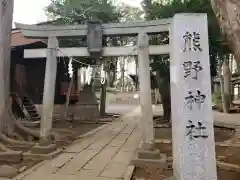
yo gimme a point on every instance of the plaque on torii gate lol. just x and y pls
(95, 46)
(94, 38)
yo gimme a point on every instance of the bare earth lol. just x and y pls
(224, 154)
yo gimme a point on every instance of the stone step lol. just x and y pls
(146, 155)
(162, 141)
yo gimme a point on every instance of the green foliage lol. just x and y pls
(78, 11)
(72, 12)
(130, 14)
(217, 46)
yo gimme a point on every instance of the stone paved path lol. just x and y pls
(104, 155)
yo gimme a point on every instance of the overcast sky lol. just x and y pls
(31, 11)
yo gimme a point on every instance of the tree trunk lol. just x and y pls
(164, 90)
(6, 15)
(225, 82)
(112, 79)
(8, 18)
(2, 64)
(224, 103)
(112, 73)
(228, 15)
(7, 121)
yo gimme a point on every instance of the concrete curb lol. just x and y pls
(129, 172)
(225, 125)
(28, 171)
(221, 144)
(228, 167)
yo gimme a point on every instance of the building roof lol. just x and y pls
(18, 39)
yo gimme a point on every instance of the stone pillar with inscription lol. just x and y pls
(192, 118)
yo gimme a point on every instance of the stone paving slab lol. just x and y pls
(80, 177)
(78, 161)
(86, 172)
(123, 157)
(115, 170)
(102, 159)
(78, 147)
(101, 143)
(104, 155)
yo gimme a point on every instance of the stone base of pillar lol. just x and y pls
(40, 149)
(46, 141)
(150, 158)
(42, 152)
(145, 154)
(40, 157)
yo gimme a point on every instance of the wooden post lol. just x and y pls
(145, 91)
(122, 67)
(103, 99)
(103, 92)
(137, 74)
(49, 90)
(192, 118)
(69, 95)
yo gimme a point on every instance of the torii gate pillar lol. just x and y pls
(147, 154)
(49, 90)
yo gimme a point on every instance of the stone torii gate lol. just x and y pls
(51, 33)
(192, 125)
